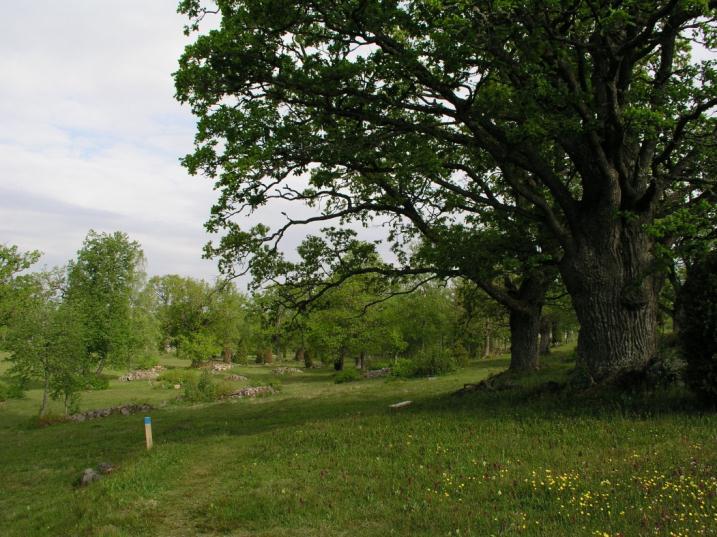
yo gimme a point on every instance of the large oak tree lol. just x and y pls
(591, 119)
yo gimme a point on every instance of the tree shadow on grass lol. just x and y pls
(120, 439)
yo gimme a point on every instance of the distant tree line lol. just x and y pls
(63, 327)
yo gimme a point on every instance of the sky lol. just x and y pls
(91, 134)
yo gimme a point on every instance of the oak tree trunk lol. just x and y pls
(524, 330)
(609, 275)
(339, 362)
(546, 335)
(524, 318)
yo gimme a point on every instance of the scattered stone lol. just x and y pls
(124, 410)
(105, 468)
(499, 382)
(375, 373)
(177, 386)
(251, 391)
(88, 476)
(143, 374)
(402, 404)
(237, 378)
(217, 367)
(287, 371)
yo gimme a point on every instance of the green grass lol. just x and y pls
(327, 459)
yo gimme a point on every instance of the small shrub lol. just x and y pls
(379, 364)
(203, 390)
(224, 389)
(347, 375)
(461, 356)
(429, 364)
(424, 364)
(404, 368)
(667, 369)
(698, 327)
(97, 383)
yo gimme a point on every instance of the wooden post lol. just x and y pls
(148, 431)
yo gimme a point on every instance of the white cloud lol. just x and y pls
(92, 134)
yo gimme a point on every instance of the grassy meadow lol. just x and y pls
(326, 459)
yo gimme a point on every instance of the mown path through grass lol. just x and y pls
(327, 459)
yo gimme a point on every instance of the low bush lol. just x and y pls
(461, 356)
(97, 383)
(667, 369)
(698, 327)
(347, 375)
(424, 364)
(145, 361)
(178, 376)
(379, 364)
(224, 389)
(12, 390)
(203, 390)
(404, 368)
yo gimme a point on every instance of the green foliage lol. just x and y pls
(48, 340)
(347, 375)
(425, 364)
(404, 368)
(12, 264)
(488, 141)
(145, 360)
(198, 347)
(227, 319)
(102, 284)
(224, 389)
(203, 390)
(698, 326)
(178, 376)
(11, 390)
(192, 312)
(97, 382)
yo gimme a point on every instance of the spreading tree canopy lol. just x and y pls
(589, 119)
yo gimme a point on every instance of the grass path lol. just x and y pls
(321, 459)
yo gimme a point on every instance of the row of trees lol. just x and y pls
(64, 326)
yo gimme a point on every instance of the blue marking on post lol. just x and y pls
(147, 420)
